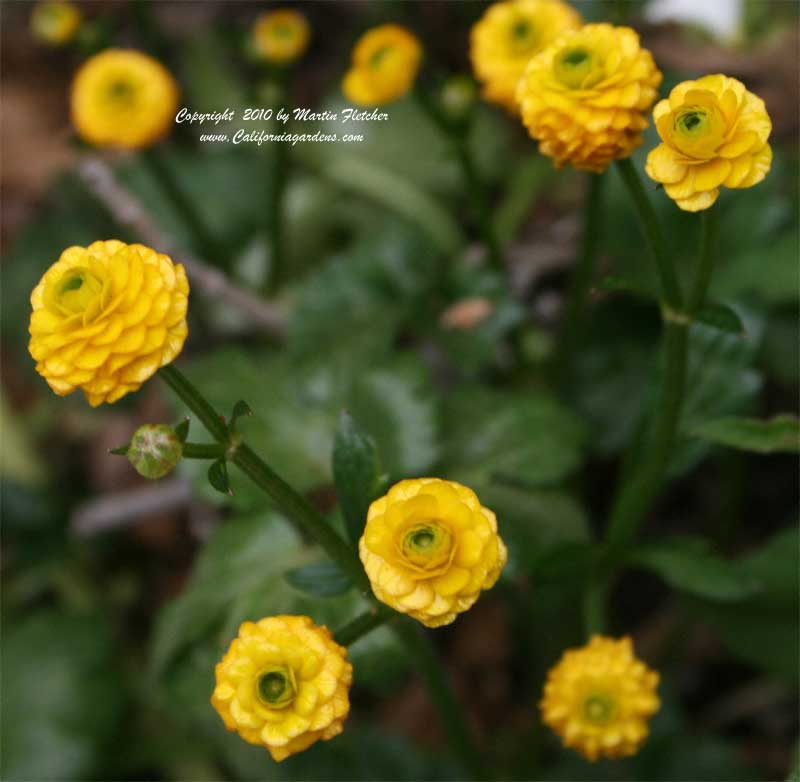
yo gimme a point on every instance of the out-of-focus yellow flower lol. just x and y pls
(599, 698)
(106, 317)
(505, 38)
(585, 96)
(715, 134)
(429, 548)
(123, 98)
(384, 66)
(281, 36)
(55, 23)
(284, 683)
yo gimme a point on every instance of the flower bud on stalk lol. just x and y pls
(155, 450)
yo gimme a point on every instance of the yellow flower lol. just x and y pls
(283, 684)
(106, 317)
(585, 96)
(599, 698)
(281, 36)
(385, 64)
(123, 98)
(429, 548)
(715, 133)
(505, 38)
(55, 23)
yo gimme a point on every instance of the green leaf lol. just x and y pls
(721, 317)
(62, 696)
(529, 440)
(534, 523)
(240, 410)
(320, 579)
(781, 433)
(357, 473)
(763, 629)
(688, 564)
(218, 476)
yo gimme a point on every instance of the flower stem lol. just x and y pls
(208, 247)
(277, 179)
(710, 234)
(652, 231)
(296, 507)
(430, 667)
(575, 310)
(203, 451)
(363, 624)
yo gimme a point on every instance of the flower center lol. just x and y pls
(427, 545)
(693, 122)
(276, 687)
(282, 30)
(121, 92)
(522, 36)
(577, 68)
(76, 290)
(599, 708)
(379, 56)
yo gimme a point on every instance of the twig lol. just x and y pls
(119, 509)
(129, 213)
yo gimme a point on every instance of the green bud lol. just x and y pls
(154, 450)
(457, 97)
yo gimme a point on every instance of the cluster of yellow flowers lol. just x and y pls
(106, 317)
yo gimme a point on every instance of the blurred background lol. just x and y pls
(120, 594)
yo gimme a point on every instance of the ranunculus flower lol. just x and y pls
(284, 683)
(714, 134)
(585, 96)
(106, 317)
(430, 548)
(599, 698)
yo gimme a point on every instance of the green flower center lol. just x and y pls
(121, 92)
(694, 122)
(76, 290)
(283, 31)
(276, 687)
(599, 708)
(523, 36)
(379, 56)
(577, 68)
(427, 545)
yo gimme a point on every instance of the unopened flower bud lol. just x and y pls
(55, 24)
(154, 450)
(457, 97)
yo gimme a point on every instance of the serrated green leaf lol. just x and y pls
(320, 579)
(688, 564)
(530, 439)
(356, 472)
(721, 317)
(218, 476)
(781, 433)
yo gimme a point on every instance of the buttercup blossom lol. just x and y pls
(385, 64)
(123, 98)
(505, 38)
(281, 36)
(106, 317)
(55, 23)
(283, 684)
(714, 133)
(585, 96)
(429, 548)
(599, 698)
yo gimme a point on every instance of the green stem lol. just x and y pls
(363, 624)
(203, 450)
(158, 167)
(277, 178)
(594, 606)
(430, 667)
(708, 245)
(652, 231)
(581, 278)
(636, 495)
(459, 138)
(296, 507)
